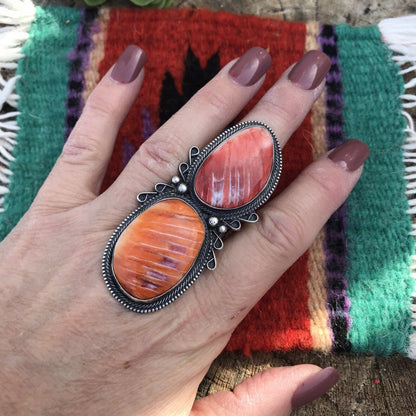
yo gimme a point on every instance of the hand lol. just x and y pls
(68, 347)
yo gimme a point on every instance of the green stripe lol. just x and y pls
(42, 90)
(378, 241)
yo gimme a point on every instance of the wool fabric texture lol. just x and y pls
(352, 290)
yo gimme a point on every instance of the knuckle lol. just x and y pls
(278, 110)
(160, 155)
(39, 221)
(215, 103)
(81, 148)
(282, 232)
(288, 110)
(101, 106)
(325, 185)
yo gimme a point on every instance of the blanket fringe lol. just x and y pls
(16, 16)
(400, 36)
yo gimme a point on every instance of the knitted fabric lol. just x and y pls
(352, 290)
(42, 89)
(373, 110)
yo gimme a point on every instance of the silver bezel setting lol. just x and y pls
(184, 189)
(198, 158)
(159, 302)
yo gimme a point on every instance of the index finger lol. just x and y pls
(198, 121)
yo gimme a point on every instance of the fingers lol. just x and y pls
(252, 260)
(200, 120)
(286, 104)
(274, 392)
(79, 170)
(283, 108)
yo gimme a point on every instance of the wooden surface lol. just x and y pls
(327, 11)
(370, 386)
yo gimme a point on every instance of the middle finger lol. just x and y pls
(201, 119)
(283, 108)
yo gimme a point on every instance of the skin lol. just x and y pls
(68, 347)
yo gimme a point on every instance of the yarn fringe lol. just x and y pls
(16, 17)
(400, 36)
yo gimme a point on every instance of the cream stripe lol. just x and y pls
(317, 280)
(91, 74)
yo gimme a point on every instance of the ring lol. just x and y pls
(163, 246)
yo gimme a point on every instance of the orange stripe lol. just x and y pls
(317, 278)
(91, 74)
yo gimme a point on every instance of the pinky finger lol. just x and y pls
(287, 227)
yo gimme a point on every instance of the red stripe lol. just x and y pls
(281, 319)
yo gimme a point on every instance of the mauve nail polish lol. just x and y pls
(350, 155)
(251, 66)
(129, 65)
(310, 71)
(314, 387)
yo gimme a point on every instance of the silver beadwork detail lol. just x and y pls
(182, 188)
(222, 229)
(213, 221)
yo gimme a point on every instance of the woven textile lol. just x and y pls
(352, 290)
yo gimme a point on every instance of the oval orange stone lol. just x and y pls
(236, 172)
(158, 248)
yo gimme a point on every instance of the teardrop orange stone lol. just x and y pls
(236, 172)
(158, 248)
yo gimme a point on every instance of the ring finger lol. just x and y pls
(256, 257)
(286, 104)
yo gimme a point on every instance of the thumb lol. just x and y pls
(275, 392)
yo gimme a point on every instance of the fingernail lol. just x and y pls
(314, 387)
(350, 155)
(310, 71)
(251, 66)
(129, 65)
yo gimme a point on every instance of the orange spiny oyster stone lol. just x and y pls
(236, 172)
(158, 248)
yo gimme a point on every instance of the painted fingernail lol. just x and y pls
(251, 66)
(314, 387)
(310, 71)
(350, 155)
(129, 65)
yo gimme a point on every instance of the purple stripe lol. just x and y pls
(338, 303)
(148, 128)
(334, 129)
(128, 151)
(323, 41)
(79, 58)
(331, 77)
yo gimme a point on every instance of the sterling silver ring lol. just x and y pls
(163, 246)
